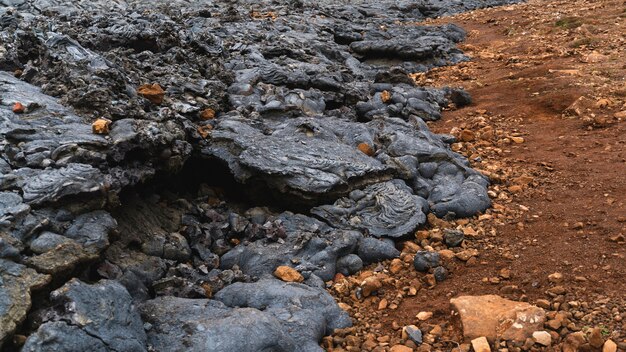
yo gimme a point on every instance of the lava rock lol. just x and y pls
(452, 237)
(101, 317)
(349, 264)
(383, 210)
(440, 273)
(372, 250)
(425, 260)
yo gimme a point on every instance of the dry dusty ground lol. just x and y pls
(548, 79)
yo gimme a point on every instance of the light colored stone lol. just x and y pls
(494, 317)
(542, 337)
(396, 266)
(424, 315)
(369, 285)
(609, 346)
(555, 277)
(400, 348)
(481, 344)
(382, 304)
(467, 254)
(288, 274)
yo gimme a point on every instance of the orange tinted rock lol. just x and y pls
(101, 126)
(385, 96)
(370, 285)
(288, 274)
(495, 318)
(153, 92)
(18, 108)
(207, 114)
(205, 131)
(366, 149)
(467, 136)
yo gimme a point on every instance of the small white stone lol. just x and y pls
(543, 338)
(481, 345)
(424, 315)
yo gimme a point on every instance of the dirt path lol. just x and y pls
(548, 80)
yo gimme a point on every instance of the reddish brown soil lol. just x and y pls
(529, 77)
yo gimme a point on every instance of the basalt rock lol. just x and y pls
(321, 114)
(310, 245)
(268, 315)
(98, 317)
(387, 209)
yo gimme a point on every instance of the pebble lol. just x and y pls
(555, 277)
(467, 136)
(396, 266)
(481, 344)
(153, 92)
(382, 304)
(288, 274)
(542, 337)
(466, 254)
(609, 346)
(424, 315)
(440, 273)
(453, 238)
(207, 114)
(400, 348)
(101, 126)
(595, 338)
(413, 333)
(370, 285)
(18, 108)
(424, 260)
(366, 149)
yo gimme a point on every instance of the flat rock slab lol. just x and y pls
(495, 318)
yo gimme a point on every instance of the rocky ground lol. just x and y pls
(188, 175)
(548, 84)
(287, 176)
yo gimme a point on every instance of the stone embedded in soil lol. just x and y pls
(413, 333)
(480, 344)
(595, 338)
(543, 338)
(497, 318)
(370, 285)
(425, 260)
